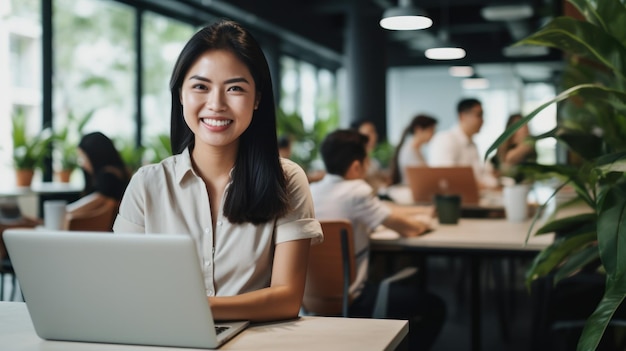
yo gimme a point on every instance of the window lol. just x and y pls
(309, 92)
(163, 40)
(20, 60)
(94, 65)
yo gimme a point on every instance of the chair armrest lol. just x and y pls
(380, 308)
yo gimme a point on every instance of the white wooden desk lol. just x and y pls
(474, 239)
(305, 333)
(469, 235)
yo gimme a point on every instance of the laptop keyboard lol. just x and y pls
(219, 329)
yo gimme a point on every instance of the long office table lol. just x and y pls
(471, 238)
(305, 333)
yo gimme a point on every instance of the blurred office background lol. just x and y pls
(329, 60)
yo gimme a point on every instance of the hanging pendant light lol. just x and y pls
(405, 17)
(445, 51)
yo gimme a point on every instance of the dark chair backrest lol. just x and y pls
(331, 271)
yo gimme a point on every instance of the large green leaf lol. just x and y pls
(576, 262)
(611, 158)
(568, 223)
(600, 318)
(540, 210)
(553, 256)
(549, 134)
(588, 146)
(569, 174)
(612, 230)
(610, 15)
(617, 166)
(581, 38)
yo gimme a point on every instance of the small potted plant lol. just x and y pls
(65, 145)
(28, 151)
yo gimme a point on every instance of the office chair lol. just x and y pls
(98, 220)
(331, 271)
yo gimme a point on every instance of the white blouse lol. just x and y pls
(169, 197)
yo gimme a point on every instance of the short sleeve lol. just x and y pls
(131, 218)
(367, 208)
(299, 222)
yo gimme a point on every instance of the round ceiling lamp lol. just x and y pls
(445, 53)
(405, 17)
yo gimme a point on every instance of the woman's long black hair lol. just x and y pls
(102, 154)
(258, 192)
(420, 121)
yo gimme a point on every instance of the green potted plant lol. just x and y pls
(28, 151)
(593, 128)
(131, 154)
(305, 142)
(66, 142)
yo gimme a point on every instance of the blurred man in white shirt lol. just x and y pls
(455, 147)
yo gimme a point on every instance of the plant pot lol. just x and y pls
(23, 177)
(64, 175)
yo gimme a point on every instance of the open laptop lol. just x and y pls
(425, 182)
(115, 288)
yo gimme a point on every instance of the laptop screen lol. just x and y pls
(425, 182)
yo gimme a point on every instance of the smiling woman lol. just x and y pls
(217, 95)
(250, 213)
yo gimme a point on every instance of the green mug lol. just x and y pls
(448, 208)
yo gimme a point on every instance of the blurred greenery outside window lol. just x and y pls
(20, 61)
(94, 65)
(163, 39)
(308, 109)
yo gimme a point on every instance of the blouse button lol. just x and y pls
(207, 230)
(219, 223)
(210, 292)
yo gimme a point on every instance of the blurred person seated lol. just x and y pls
(377, 175)
(518, 148)
(409, 151)
(106, 175)
(455, 147)
(284, 151)
(106, 178)
(343, 193)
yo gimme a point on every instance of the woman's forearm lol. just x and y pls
(281, 300)
(273, 303)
